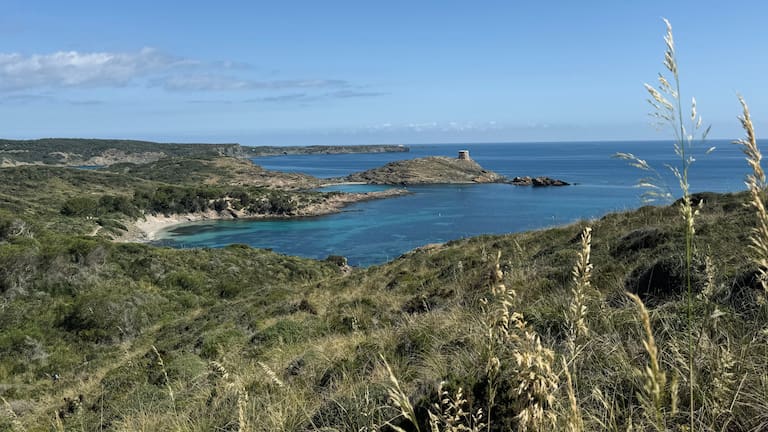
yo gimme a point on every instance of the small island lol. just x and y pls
(441, 170)
(428, 170)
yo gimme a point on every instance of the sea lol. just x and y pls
(374, 232)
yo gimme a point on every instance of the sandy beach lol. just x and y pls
(149, 228)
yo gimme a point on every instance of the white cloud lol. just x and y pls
(148, 66)
(76, 69)
(208, 82)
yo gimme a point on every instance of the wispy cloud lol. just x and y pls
(86, 102)
(348, 94)
(18, 99)
(75, 69)
(25, 98)
(435, 126)
(146, 67)
(209, 82)
(298, 97)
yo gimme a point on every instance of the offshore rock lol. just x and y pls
(537, 181)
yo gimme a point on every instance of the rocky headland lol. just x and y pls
(428, 170)
(441, 170)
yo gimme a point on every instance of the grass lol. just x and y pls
(93, 311)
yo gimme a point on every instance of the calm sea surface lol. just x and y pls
(374, 232)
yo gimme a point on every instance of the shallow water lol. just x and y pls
(354, 188)
(373, 232)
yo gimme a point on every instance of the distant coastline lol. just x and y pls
(263, 151)
(105, 152)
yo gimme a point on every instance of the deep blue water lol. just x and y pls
(373, 232)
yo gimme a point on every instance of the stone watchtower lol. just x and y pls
(464, 155)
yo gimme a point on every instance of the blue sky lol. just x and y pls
(331, 72)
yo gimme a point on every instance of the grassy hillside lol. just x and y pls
(143, 338)
(74, 201)
(217, 170)
(76, 151)
(80, 151)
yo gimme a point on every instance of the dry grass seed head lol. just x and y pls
(451, 414)
(399, 400)
(165, 375)
(273, 378)
(576, 315)
(756, 184)
(654, 378)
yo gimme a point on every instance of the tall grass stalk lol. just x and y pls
(574, 422)
(576, 315)
(756, 185)
(400, 400)
(666, 100)
(161, 363)
(500, 320)
(655, 379)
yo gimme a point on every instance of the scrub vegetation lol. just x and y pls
(654, 319)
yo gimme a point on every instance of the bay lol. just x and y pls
(374, 232)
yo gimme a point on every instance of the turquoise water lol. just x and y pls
(354, 188)
(373, 232)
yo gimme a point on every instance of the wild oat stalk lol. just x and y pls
(536, 382)
(668, 111)
(655, 379)
(656, 189)
(574, 423)
(576, 315)
(452, 415)
(400, 400)
(756, 184)
(500, 323)
(234, 383)
(271, 374)
(165, 376)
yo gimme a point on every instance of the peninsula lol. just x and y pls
(260, 151)
(105, 152)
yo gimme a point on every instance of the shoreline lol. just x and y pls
(148, 229)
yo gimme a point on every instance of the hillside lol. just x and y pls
(99, 152)
(258, 151)
(74, 201)
(429, 170)
(145, 338)
(106, 152)
(214, 171)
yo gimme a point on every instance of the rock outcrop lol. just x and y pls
(537, 181)
(428, 170)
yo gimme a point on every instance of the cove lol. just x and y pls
(374, 232)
